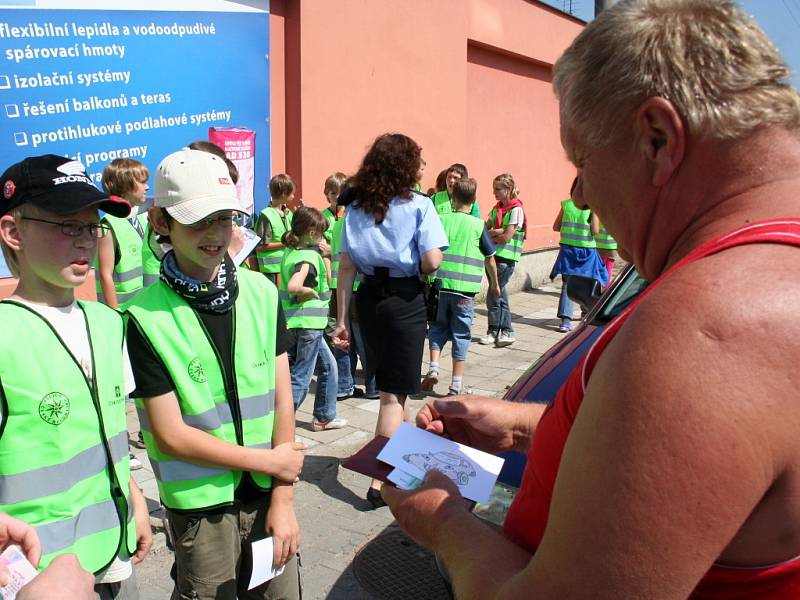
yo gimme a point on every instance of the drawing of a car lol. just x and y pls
(455, 467)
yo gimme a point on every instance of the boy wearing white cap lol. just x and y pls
(64, 465)
(208, 348)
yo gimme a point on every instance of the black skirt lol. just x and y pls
(394, 325)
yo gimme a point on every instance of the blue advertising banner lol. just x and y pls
(96, 85)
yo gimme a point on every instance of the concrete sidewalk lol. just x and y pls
(334, 515)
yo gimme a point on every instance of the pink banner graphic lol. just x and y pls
(239, 145)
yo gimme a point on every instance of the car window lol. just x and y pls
(633, 285)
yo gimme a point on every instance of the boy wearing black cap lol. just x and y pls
(208, 346)
(63, 436)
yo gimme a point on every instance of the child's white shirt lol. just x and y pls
(70, 325)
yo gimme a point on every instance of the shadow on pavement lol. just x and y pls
(321, 471)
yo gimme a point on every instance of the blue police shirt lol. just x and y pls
(411, 228)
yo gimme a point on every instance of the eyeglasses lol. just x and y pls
(76, 228)
(225, 220)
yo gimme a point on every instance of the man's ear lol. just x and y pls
(662, 138)
(10, 232)
(157, 220)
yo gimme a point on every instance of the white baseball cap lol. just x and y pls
(191, 185)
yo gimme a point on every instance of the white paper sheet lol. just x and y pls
(416, 451)
(263, 551)
(251, 240)
(21, 570)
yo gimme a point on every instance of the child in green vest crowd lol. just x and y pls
(333, 186)
(577, 253)
(471, 251)
(120, 255)
(305, 295)
(506, 225)
(443, 200)
(64, 445)
(272, 223)
(208, 347)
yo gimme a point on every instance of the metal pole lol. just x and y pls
(601, 5)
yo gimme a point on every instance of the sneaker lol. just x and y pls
(372, 396)
(318, 425)
(453, 392)
(566, 326)
(355, 393)
(504, 339)
(430, 380)
(489, 338)
(135, 463)
(138, 442)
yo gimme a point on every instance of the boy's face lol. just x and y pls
(200, 247)
(137, 195)
(451, 179)
(332, 197)
(48, 254)
(288, 200)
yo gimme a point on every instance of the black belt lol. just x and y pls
(388, 286)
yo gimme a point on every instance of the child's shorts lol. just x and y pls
(454, 322)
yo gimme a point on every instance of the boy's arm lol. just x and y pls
(281, 520)
(178, 439)
(105, 269)
(328, 273)
(594, 224)
(557, 222)
(141, 516)
(491, 272)
(296, 287)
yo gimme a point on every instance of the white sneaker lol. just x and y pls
(430, 380)
(317, 425)
(135, 463)
(504, 339)
(489, 338)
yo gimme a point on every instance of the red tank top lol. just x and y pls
(527, 516)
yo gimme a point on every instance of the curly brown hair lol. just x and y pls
(389, 170)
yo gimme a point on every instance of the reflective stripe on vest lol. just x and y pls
(462, 264)
(269, 261)
(64, 466)
(311, 314)
(605, 241)
(151, 263)
(575, 229)
(127, 273)
(175, 332)
(336, 243)
(512, 249)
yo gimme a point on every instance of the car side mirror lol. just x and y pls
(583, 290)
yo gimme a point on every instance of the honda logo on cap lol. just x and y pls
(74, 172)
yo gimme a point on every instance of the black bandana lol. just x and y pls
(214, 296)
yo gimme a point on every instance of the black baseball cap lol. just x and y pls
(55, 184)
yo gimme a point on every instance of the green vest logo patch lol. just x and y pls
(54, 408)
(196, 371)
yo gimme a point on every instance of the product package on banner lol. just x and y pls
(239, 145)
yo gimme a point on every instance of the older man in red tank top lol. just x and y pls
(668, 466)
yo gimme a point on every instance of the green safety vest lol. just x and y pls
(331, 219)
(575, 229)
(244, 417)
(605, 241)
(462, 264)
(269, 261)
(151, 264)
(127, 274)
(444, 205)
(64, 465)
(512, 249)
(336, 244)
(312, 314)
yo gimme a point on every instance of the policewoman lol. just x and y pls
(392, 235)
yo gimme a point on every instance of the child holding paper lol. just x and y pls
(208, 345)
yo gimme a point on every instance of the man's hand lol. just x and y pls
(283, 527)
(63, 579)
(488, 424)
(286, 461)
(341, 337)
(141, 516)
(14, 531)
(424, 513)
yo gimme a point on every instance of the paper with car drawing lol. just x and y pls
(414, 452)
